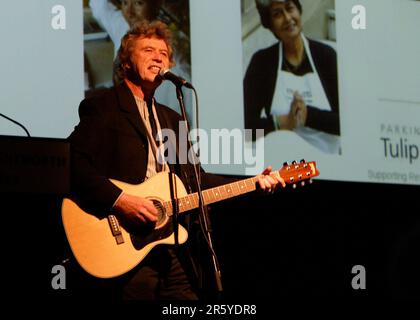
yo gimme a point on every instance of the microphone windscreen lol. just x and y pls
(162, 72)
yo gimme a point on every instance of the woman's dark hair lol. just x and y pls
(153, 8)
(263, 7)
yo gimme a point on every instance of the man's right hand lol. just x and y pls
(136, 211)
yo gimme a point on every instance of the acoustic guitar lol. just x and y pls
(105, 249)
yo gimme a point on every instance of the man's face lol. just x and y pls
(149, 56)
(135, 10)
(286, 20)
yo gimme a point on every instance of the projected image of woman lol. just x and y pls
(292, 85)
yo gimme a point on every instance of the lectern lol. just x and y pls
(34, 165)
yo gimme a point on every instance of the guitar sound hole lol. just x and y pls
(162, 217)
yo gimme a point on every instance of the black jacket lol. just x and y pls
(110, 142)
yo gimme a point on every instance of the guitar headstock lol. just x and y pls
(298, 173)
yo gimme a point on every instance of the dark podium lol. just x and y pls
(34, 165)
(34, 178)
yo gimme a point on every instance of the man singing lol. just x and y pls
(115, 139)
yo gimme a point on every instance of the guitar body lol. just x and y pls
(103, 254)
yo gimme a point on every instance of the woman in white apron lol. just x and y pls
(292, 85)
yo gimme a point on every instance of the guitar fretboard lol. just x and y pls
(292, 174)
(213, 195)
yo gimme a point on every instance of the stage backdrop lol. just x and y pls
(44, 77)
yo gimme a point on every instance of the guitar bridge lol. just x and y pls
(115, 229)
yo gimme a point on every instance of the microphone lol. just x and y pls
(165, 74)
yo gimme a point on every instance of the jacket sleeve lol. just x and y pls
(322, 120)
(254, 79)
(94, 191)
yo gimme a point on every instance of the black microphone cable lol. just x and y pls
(19, 124)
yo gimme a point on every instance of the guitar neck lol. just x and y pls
(292, 174)
(213, 195)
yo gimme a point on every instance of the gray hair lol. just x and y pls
(263, 7)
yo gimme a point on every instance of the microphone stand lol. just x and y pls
(202, 207)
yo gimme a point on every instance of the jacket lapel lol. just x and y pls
(166, 123)
(128, 105)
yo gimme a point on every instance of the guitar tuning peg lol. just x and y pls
(294, 162)
(302, 183)
(285, 164)
(310, 181)
(294, 186)
(302, 161)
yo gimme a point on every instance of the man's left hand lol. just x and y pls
(270, 182)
